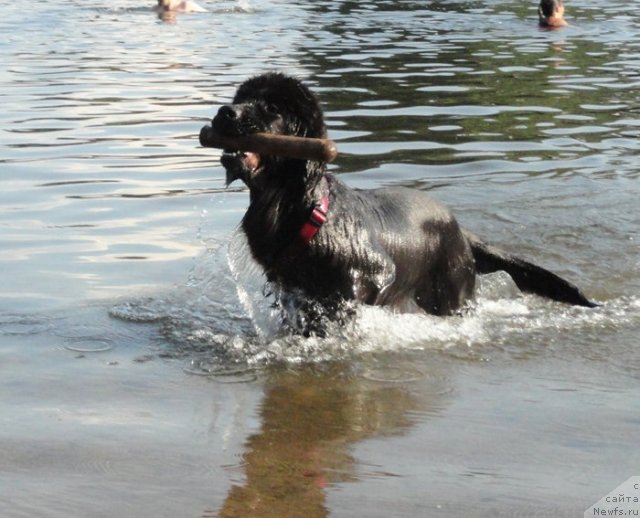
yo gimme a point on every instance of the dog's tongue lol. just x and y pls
(251, 160)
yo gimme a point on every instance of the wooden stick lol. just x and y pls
(320, 149)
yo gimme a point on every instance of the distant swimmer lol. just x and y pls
(551, 14)
(180, 6)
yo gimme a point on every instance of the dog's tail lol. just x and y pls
(528, 277)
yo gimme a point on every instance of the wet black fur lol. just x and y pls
(396, 247)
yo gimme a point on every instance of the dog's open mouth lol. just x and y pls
(248, 159)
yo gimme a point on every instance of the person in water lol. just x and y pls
(182, 6)
(551, 13)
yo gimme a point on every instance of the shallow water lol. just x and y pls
(141, 368)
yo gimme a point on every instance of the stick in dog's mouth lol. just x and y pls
(322, 150)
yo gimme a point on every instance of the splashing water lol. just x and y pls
(223, 318)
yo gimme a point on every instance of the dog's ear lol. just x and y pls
(308, 111)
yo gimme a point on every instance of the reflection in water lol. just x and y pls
(167, 16)
(310, 418)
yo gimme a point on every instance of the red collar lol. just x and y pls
(317, 218)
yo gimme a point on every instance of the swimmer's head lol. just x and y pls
(551, 13)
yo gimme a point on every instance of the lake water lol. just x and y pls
(141, 370)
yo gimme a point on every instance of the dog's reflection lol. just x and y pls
(310, 418)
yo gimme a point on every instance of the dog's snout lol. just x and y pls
(228, 120)
(228, 112)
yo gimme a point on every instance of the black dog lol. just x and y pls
(318, 238)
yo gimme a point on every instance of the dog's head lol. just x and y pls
(271, 103)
